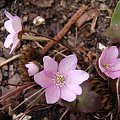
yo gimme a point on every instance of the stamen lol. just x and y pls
(106, 65)
(59, 79)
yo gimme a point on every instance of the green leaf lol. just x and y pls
(113, 32)
(116, 15)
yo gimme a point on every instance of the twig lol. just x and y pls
(6, 84)
(64, 114)
(15, 91)
(92, 29)
(9, 60)
(28, 98)
(35, 38)
(53, 40)
(58, 37)
(35, 99)
(40, 46)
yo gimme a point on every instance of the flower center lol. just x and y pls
(106, 65)
(59, 79)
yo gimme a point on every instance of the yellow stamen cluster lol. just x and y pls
(106, 65)
(59, 79)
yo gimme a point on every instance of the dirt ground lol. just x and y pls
(84, 37)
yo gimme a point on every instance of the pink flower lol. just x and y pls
(13, 26)
(61, 81)
(32, 68)
(109, 63)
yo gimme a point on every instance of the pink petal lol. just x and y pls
(16, 23)
(8, 41)
(109, 54)
(8, 15)
(52, 94)
(15, 42)
(100, 62)
(28, 65)
(115, 65)
(50, 64)
(67, 94)
(32, 72)
(42, 80)
(77, 76)
(9, 27)
(68, 63)
(113, 75)
(32, 68)
(75, 88)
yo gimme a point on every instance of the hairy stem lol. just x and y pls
(118, 97)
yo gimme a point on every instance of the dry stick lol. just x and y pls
(64, 114)
(58, 37)
(6, 84)
(52, 40)
(9, 60)
(35, 38)
(30, 104)
(117, 90)
(15, 91)
(28, 98)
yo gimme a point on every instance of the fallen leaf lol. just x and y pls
(14, 80)
(42, 3)
(86, 17)
(4, 90)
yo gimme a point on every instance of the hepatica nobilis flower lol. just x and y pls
(61, 81)
(109, 63)
(13, 26)
(32, 68)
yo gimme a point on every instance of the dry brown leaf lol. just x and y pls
(86, 17)
(14, 80)
(4, 90)
(42, 3)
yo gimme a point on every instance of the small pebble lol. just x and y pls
(38, 20)
(25, 18)
(103, 7)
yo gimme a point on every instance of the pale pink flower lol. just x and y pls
(32, 68)
(61, 81)
(13, 26)
(109, 63)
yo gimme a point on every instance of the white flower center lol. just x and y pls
(59, 79)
